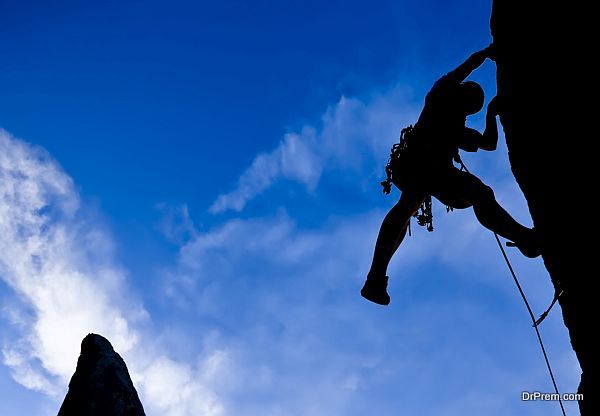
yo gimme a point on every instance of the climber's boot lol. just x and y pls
(529, 246)
(375, 290)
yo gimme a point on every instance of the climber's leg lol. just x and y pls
(391, 234)
(461, 189)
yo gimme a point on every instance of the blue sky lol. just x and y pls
(199, 183)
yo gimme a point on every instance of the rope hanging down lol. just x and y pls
(537, 322)
(557, 291)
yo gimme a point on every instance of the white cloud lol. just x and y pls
(24, 374)
(60, 266)
(178, 390)
(292, 159)
(175, 224)
(353, 134)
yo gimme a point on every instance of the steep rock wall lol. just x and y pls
(541, 80)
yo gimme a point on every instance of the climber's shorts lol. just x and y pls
(453, 187)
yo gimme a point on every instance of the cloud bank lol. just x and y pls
(60, 266)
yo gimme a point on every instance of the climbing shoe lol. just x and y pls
(530, 247)
(374, 290)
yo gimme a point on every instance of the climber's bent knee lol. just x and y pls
(458, 189)
(483, 193)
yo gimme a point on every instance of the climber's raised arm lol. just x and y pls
(490, 134)
(473, 62)
(472, 140)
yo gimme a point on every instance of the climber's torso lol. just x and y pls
(440, 130)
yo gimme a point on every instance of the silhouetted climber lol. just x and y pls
(421, 166)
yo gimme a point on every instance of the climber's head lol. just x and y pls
(471, 97)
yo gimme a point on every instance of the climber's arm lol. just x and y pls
(490, 134)
(472, 140)
(473, 62)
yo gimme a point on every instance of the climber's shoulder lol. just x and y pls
(447, 81)
(443, 88)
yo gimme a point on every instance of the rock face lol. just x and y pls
(542, 79)
(101, 385)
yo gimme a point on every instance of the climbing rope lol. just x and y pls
(537, 322)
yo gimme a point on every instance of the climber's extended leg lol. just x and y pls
(391, 234)
(461, 190)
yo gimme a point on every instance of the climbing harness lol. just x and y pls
(424, 217)
(398, 152)
(463, 168)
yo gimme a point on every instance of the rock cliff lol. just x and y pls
(542, 83)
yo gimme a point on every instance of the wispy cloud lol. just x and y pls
(292, 159)
(61, 267)
(352, 134)
(175, 224)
